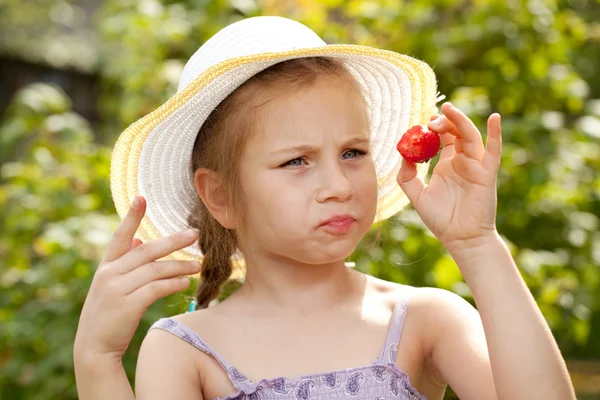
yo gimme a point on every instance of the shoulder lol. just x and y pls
(453, 338)
(160, 338)
(419, 298)
(438, 303)
(431, 311)
(187, 322)
(196, 317)
(165, 369)
(428, 301)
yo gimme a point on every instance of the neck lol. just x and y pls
(298, 288)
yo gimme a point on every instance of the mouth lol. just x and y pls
(338, 224)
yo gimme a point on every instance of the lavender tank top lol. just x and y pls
(381, 380)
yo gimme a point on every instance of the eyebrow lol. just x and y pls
(309, 149)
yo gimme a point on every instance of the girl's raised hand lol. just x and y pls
(126, 283)
(459, 203)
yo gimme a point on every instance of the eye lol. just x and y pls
(353, 153)
(296, 162)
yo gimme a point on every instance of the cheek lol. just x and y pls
(366, 180)
(269, 217)
(266, 200)
(366, 190)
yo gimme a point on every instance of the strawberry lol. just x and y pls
(419, 144)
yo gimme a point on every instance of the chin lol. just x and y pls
(330, 253)
(337, 248)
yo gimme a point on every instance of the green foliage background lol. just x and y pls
(535, 62)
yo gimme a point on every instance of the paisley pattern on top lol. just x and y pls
(382, 380)
(330, 380)
(236, 375)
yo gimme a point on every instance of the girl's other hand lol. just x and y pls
(126, 283)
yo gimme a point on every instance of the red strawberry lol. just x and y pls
(419, 144)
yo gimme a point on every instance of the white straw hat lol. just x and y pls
(152, 157)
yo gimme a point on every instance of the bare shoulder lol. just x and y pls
(164, 368)
(208, 322)
(420, 298)
(438, 301)
(195, 318)
(190, 368)
(443, 305)
(441, 312)
(430, 310)
(451, 331)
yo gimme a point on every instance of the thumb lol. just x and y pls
(410, 182)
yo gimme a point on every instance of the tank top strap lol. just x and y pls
(390, 347)
(177, 328)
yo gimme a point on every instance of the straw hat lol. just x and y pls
(152, 157)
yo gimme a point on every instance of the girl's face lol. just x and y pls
(307, 162)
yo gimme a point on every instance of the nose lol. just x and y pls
(334, 184)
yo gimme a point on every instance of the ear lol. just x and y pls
(209, 187)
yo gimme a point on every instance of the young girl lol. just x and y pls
(279, 152)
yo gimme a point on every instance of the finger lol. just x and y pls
(151, 251)
(493, 150)
(410, 182)
(443, 126)
(122, 239)
(158, 270)
(148, 294)
(449, 146)
(472, 143)
(136, 242)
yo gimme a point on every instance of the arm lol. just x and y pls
(524, 356)
(101, 378)
(508, 336)
(160, 373)
(455, 344)
(459, 207)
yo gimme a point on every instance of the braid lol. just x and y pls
(217, 245)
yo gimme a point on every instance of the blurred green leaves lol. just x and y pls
(54, 187)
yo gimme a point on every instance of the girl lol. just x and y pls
(279, 152)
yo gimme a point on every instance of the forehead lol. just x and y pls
(327, 109)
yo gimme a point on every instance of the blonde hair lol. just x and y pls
(219, 145)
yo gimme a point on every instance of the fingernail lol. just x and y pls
(136, 202)
(436, 124)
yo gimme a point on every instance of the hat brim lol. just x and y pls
(152, 156)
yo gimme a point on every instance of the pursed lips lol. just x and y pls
(337, 219)
(338, 224)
